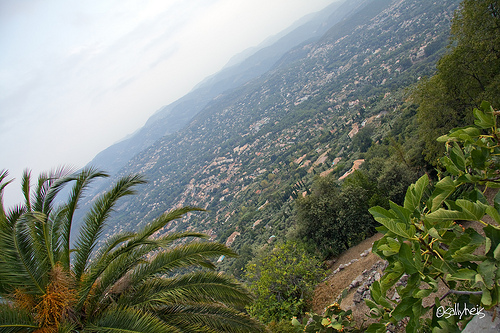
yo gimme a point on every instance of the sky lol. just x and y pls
(78, 76)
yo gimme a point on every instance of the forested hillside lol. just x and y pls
(387, 123)
(254, 149)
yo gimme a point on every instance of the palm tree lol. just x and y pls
(129, 284)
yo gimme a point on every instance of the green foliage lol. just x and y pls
(473, 157)
(333, 320)
(131, 283)
(393, 179)
(423, 240)
(362, 141)
(283, 280)
(318, 221)
(468, 74)
(283, 326)
(333, 218)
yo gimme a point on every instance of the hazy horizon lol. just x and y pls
(78, 77)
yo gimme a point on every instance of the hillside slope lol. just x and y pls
(251, 149)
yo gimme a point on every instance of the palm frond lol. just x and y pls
(127, 241)
(128, 285)
(10, 265)
(163, 220)
(168, 239)
(104, 270)
(56, 220)
(38, 227)
(193, 254)
(3, 183)
(129, 320)
(26, 188)
(3, 175)
(83, 179)
(56, 180)
(197, 287)
(114, 243)
(33, 268)
(67, 327)
(15, 320)
(206, 318)
(14, 214)
(94, 221)
(40, 191)
(111, 263)
(108, 275)
(49, 184)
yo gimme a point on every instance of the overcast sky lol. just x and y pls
(77, 76)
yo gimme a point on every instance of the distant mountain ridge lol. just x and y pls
(176, 115)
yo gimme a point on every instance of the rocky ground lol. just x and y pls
(355, 269)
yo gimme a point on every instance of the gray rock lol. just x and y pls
(356, 282)
(366, 252)
(485, 324)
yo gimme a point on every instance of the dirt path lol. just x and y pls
(327, 291)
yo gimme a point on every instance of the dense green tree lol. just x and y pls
(363, 140)
(283, 279)
(393, 180)
(334, 217)
(245, 255)
(317, 219)
(357, 195)
(129, 284)
(468, 74)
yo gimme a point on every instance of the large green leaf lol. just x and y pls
(496, 201)
(389, 246)
(444, 188)
(390, 218)
(400, 229)
(473, 211)
(443, 215)
(402, 213)
(493, 233)
(484, 119)
(414, 193)
(376, 328)
(491, 211)
(392, 275)
(496, 253)
(461, 248)
(404, 308)
(450, 166)
(488, 269)
(479, 157)
(464, 134)
(381, 213)
(457, 156)
(408, 260)
(463, 274)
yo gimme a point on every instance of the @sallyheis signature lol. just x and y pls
(447, 312)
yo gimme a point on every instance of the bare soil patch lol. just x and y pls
(327, 291)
